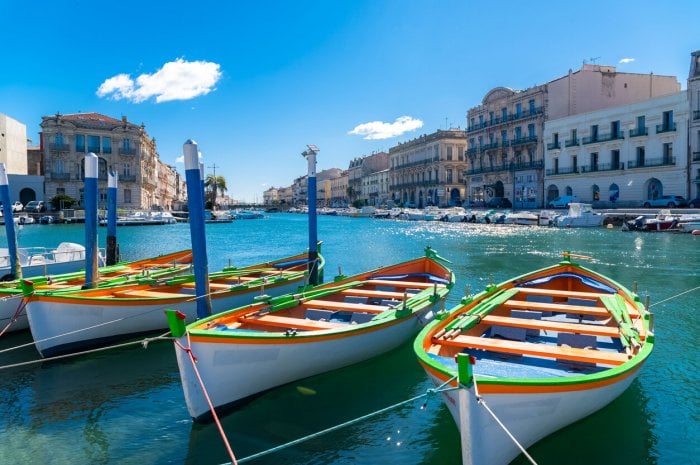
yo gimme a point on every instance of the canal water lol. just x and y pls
(125, 406)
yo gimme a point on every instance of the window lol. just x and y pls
(615, 159)
(460, 152)
(126, 144)
(58, 138)
(504, 114)
(58, 166)
(491, 117)
(127, 195)
(555, 139)
(594, 133)
(615, 129)
(532, 106)
(102, 194)
(667, 119)
(556, 166)
(574, 135)
(574, 164)
(641, 122)
(481, 142)
(449, 152)
(106, 145)
(80, 143)
(594, 161)
(531, 130)
(471, 142)
(448, 175)
(93, 144)
(518, 110)
(504, 137)
(640, 156)
(518, 133)
(668, 154)
(471, 122)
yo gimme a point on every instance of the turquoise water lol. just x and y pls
(126, 406)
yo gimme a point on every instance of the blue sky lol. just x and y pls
(254, 82)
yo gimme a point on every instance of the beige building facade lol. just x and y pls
(13, 145)
(429, 170)
(121, 146)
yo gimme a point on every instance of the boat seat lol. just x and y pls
(584, 303)
(548, 299)
(376, 294)
(319, 314)
(402, 284)
(530, 315)
(555, 326)
(355, 299)
(579, 341)
(289, 322)
(212, 286)
(143, 293)
(508, 332)
(539, 350)
(563, 308)
(334, 305)
(361, 317)
(560, 293)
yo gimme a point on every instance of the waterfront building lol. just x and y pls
(429, 170)
(120, 145)
(35, 161)
(694, 127)
(505, 150)
(339, 190)
(13, 145)
(619, 156)
(361, 167)
(271, 196)
(375, 188)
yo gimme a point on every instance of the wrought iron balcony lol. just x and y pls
(554, 146)
(127, 178)
(558, 171)
(524, 140)
(665, 128)
(60, 176)
(472, 151)
(129, 151)
(527, 165)
(650, 162)
(59, 147)
(637, 132)
(491, 146)
(571, 142)
(602, 167)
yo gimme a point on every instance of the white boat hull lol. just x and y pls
(62, 325)
(234, 371)
(529, 417)
(9, 305)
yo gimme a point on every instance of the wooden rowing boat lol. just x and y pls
(541, 351)
(13, 317)
(251, 349)
(63, 322)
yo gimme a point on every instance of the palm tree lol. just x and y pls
(214, 185)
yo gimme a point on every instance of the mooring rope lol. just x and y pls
(427, 393)
(143, 342)
(193, 359)
(17, 314)
(674, 296)
(482, 402)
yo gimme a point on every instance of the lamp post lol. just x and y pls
(310, 155)
(90, 220)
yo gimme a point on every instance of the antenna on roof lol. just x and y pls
(592, 60)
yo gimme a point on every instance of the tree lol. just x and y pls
(213, 185)
(61, 201)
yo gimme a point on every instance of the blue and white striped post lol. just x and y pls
(90, 220)
(15, 267)
(310, 155)
(204, 190)
(195, 206)
(112, 246)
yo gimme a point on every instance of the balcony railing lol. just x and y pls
(527, 165)
(637, 132)
(554, 146)
(60, 176)
(127, 177)
(511, 117)
(510, 166)
(567, 170)
(602, 167)
(665, 128)
(129, 151)
(59, 147)
(491, 146)
(571, 142)
(472, 151)
(664, 161)
(603, 137)
(524, 140)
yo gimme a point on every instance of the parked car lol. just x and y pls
(17, 206)
(695, 203)
(671, 201)
(499, 202)
(562, 201)
(35, 206)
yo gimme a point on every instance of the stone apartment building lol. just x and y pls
(429, 170)
(505, 150)
(694, 125)
(121, 146)
(360, 167)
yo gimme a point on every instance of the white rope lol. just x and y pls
(674, 296)
(482, 402)
(144, 342)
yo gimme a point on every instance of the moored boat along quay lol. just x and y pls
(126, 405)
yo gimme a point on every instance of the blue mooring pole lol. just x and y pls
(90, 220)
(310, 155)
(15, 267)
(195, 206)
(112, 246)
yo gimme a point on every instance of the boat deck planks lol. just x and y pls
(143, 293)
(539, 350)
(562, 308)
(406, 284)
(290, 322)
(370, 293)
(347, 306)
(577, 328)
(560, 293)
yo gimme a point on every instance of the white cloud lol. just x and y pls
(626, 60)
(382, 130)
(176, 80)
(181, 158)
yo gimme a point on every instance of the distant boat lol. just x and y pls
(38, 261)
(246, 214)
(143, 218)
(580, 215)
(11, 292)
(275, 341)
(63, 322)
(541, 351)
